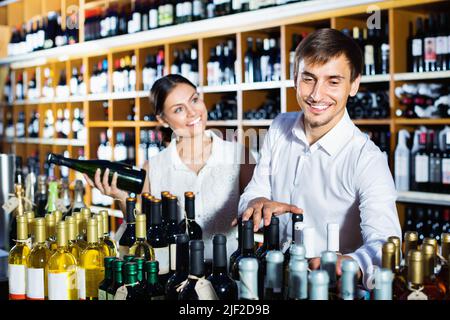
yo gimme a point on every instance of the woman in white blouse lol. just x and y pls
(196, 160)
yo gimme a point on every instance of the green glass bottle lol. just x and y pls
(104, 285)
(153, 290)
(128, 178)
(117, 279)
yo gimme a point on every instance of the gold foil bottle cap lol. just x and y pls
(388, 256)
(58, 215)
(429, 256)
(411, 236)
(61, 230)
(39, 230)
(22, 228)
(71, 228)
(92, 230)
(396, 241)
(445, 245)
(30, 219)
(85, 213)
(415, 267)
(99, 219)
(141, 223)
(18, 189)
(105, 215)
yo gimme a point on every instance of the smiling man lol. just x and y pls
(317, 162)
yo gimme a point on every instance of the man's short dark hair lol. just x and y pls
(324, 44)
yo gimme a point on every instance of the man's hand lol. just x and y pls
(263, 208)
(314, 264)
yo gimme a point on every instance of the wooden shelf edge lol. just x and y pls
(424, 197)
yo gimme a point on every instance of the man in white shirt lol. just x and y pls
(317, 162)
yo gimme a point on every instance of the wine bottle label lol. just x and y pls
(17, 281)
(35, 284)
(121, 293)
(430, 49)
(173, 257)
(162, 256)
(110, 296)
(102, 294)
(81, 280)
(446, 171)
(205, 290)
(417, 295)
(58, 286)
(421, 170)
(401, 165)
(441, 45)
(417, 47)
(10, 205)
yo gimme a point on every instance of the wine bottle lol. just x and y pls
(237, 252)
(318, 285)
(196, 271)
(273, 286)
(224, 286)
(41, 197)
(128, 178)
(388, 262)
(141, 248)
(248, 275)
(188, 224)
(92, 269)
(142, 286)
(430, 280)
(158, 240)
(117, 279)
(129, 236)
(164, 212)
(85, 215)
(297, 226)
(172, 230)
(62, 269)
(79, 222)
(350, 270)
(130, 284)
(17, 261)
(106, 238)
(298, 275)
(383, 284)
(36, 285)
(101, 243)
(18, 211)
(328, 260)
(50, 224)
(273, 243)
(72, 230)
(30, 220)
(181, 262)
(418, 48)
(107, 281)
(154, 290)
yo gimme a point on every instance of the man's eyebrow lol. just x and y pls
(333, 76)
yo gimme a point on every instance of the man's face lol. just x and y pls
(322, 91)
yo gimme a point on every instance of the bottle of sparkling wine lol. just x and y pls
(129, 178)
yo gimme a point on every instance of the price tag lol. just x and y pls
(205, 290)
(417, 295)
(10, 205)
(121, 293)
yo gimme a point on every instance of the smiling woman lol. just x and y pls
(196, 160)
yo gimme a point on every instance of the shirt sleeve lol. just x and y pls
(260, 185)
(376, 191)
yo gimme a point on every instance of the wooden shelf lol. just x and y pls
(98, 124)
(372, 122)
(54, 141)
(256, 123)
(423, 121)
(414, 76)
(219, 89)
(262, 85)
(424, 197)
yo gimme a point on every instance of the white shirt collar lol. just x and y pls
(333, 140)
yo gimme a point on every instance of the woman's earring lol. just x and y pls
(165, 125)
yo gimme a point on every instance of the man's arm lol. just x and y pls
(379, 218)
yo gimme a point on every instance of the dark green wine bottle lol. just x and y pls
(129, 178)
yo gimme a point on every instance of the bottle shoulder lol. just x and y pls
(19, 254)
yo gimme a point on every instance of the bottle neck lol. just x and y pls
(118, 276)
(182, 257)
(131, 278)
(152, 278)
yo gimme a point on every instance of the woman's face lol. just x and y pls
(184, 111)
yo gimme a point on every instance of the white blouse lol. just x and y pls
(216, 187)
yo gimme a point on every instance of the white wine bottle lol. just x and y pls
(30, 220)
(17, 261)
(101, 242)
(37, 263)
(106, 238)
(79, 222)
(72, 229)
(92, 269)
(62, 269)
(141, 248)
(50, 224)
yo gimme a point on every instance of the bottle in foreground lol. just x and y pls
(248, 275)
(107, 281)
